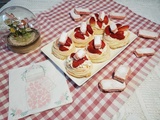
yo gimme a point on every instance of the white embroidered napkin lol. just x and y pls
(36, 88)
(144, 104)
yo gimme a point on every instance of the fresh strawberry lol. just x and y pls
(92, 21)
(103, 45)
(105, 20)
(77, 29)
(92, 49)
(89, 29)
(107, 30)
(96, 16)
(87, 34)
(79, 35)
(76, 63)
(118, 35)
(63, 48)
(123, 28)
(118, 25)
(72, 54)
(68, 42)
(99, 23)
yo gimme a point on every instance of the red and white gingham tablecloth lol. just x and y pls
(88, 101)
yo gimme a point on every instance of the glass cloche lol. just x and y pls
(20, 24)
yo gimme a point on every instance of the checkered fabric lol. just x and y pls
(88, 101)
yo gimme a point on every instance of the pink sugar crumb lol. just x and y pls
(38, 95)
(122, 72)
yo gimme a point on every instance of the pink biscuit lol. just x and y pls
(101, 15)
(140, 52)
(76, 17)
(82, 11)
(121, 73)
(97, 42)
(83, 27)
(113, 27)
(148, 34)
(79, 54)
(117, 15)
(63, 38)
(111, 85)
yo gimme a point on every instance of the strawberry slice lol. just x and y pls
(91, 43)
(92, 49)
(105, 20)
(68, 42)
(118, 35)
(118, 25)
(87, 34)
(89, 29)
(92, 21)
(79, 35)
(99, 23)
(103, 45)
(96, 16)
(63, 48)
(107, 30)
(76, 63)
(77, 29)
(123, 28)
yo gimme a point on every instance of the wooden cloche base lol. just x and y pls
(28, 47)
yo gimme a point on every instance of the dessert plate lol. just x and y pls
(47, 50)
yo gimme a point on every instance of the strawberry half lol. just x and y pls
(96, 16)
(76, 63)
(79, 35)
(123, 28)
(92, 49)
(107, 30)
(68, 42)
(99, 23)
(118, 25)
(92, 21)
(118, 35)
(77, 29)
(89, 29)
(105, 20)
(63, 48)
(87, 34)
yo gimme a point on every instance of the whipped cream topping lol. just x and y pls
(85, 65)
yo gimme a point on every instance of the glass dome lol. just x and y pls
(16, 12)
(18, 29)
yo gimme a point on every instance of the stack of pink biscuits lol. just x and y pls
(117, 83)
